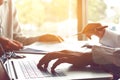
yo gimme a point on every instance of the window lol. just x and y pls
(106, 12)
(48, 16)
(63, 16)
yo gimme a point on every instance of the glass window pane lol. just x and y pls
(106, 12)
(47, 16)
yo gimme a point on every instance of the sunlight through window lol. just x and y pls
(47, 16)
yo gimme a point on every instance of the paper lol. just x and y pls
(31, 51)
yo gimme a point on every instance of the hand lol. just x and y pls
(94, 29)
(50, 38)
(87, 46)
(10, 45)
(65, 56)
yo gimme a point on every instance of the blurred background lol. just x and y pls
(60, 17)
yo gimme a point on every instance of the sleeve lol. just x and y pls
(17, 32)
(106, 55)
(110, 39)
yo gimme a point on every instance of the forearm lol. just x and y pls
(85, 59)
(88, 58)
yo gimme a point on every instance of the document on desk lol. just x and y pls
(31, 51)
(43, 48)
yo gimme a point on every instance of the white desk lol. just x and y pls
(71, 45)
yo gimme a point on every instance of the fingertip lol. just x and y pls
(45, 66)
(21, 46)
(18, 44)
(55, 65)
(39, 66)
(53, 71)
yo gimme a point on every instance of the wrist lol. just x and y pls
(101, 33)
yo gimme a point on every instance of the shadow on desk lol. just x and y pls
(88, 69)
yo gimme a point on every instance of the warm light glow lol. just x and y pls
(48, 16)
(48, 1)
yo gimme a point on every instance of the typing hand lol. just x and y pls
(65, 56)
(10, 45)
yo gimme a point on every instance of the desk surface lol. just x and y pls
(75, 46)
(83, 74)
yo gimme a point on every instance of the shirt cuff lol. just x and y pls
(102, 54)
(109, 39)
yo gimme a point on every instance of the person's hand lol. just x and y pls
(94, 29)
(10, 45)
(87, 46)
(65, 56)
(50, 38)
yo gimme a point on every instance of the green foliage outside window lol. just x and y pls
(40, 11)
(96, 10)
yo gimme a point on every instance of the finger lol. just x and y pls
(8, 44)
(12, 46)
(44, 61)
(53, 55)
(72, 60)
(88, 46)
(59, 61)
(17, 44)
(20, 45)
(66, 51)
(48, 57)
(45, 65)
(40, 67)
(1, 52)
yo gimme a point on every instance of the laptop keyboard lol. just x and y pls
(30, 70)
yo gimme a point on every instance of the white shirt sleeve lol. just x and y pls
(110, 52)
(110, 39)
(13, 28)
(106, 55)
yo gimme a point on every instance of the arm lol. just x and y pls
(106, 55)
(26, 41)
(110, 39)
(17, 32)
(66, 56)
(107, 37)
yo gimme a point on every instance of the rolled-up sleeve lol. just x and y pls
(106, 55)
(102, 55)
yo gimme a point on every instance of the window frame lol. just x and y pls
(82, 17)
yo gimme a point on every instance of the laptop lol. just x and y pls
(24, 69)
